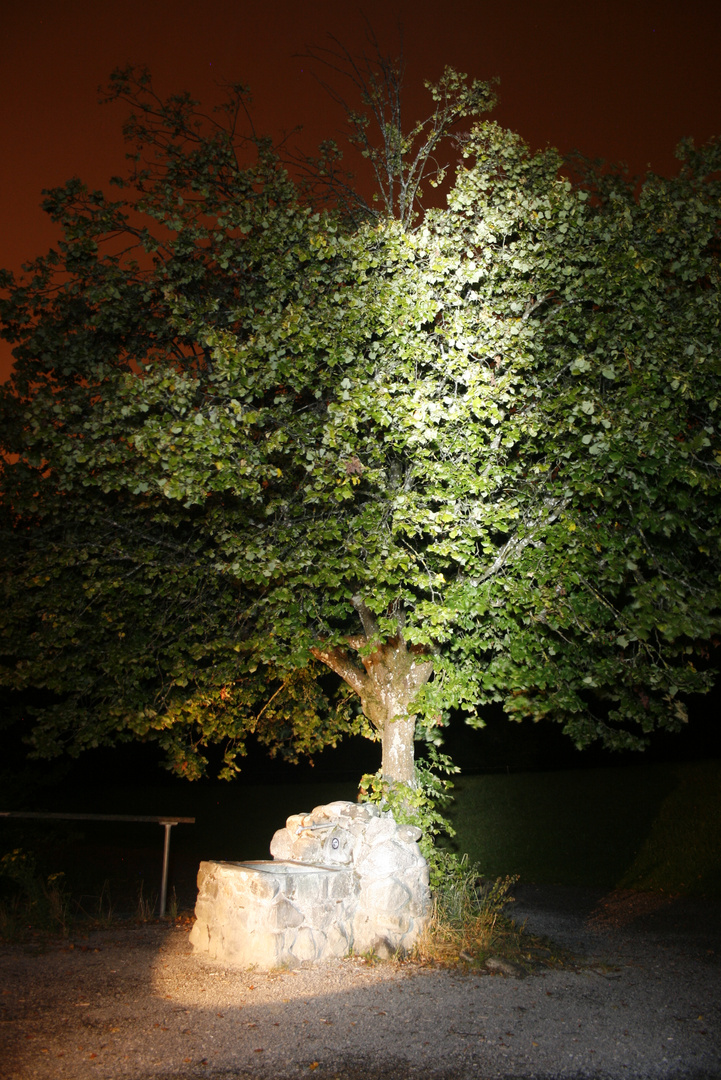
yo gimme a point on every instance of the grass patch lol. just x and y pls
(36, 906)
(655, 827)
(681, 852)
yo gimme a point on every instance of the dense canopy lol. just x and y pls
(251, 448)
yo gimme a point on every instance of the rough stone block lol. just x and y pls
(198, 936)
(363, 932)
(420, 906)
(409, 833)
(306, 889)
(261, 886)
(283, 915)
(384, 895)
(264, 950)
(338, 847)
(336, 945)
(380, 829)
(394, 924)
(281, 846)
(307, 945)
(385, 859)
(342, 885)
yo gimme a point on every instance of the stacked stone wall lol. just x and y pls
(269, 914)
(344, 877)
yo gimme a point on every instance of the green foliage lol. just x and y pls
(420, 804)
(401, 160)
(682, 851)
(146, 905)
(465, 894)
(231, 417)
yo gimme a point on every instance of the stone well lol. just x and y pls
(343, 878)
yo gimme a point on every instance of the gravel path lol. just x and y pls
(134, 1004)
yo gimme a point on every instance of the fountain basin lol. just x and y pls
(272, 913)
(344, 877)
(273, 866)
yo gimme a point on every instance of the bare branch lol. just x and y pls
(401, 160)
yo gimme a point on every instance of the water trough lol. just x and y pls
(343, 878)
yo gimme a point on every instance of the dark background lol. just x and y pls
(618, 79)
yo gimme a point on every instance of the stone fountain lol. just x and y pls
(343, 878)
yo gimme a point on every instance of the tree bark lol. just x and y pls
(387, 683)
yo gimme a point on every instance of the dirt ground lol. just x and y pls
(135, 1003)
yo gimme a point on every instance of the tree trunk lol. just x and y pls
(398, 763)
(387, 684)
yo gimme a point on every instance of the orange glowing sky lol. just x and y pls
(620, 79)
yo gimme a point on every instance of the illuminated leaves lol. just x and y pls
(500, 429)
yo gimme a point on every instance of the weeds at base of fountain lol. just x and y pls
(469, 928)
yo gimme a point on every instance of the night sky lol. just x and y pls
(620, 79)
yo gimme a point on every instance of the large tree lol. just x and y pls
(468, 459)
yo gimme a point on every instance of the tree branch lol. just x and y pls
(338, 660)
(370, 624)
